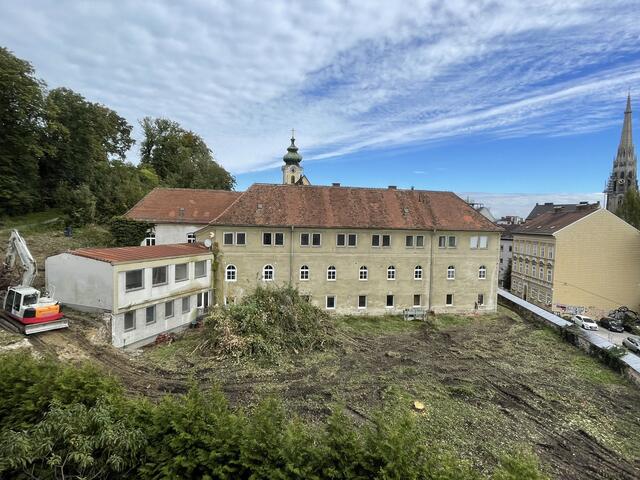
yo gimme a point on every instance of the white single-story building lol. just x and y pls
(147, 290)
(179, 212)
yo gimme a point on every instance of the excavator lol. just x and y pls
(25, 309)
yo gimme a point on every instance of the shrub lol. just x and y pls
(78, 204)
(127, 232)
(267, 323)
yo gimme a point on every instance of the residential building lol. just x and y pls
(547, 207)
(178, 212)
(144, 291)
(624, 175)
(510, 220)
(577, 260)
(357, 250)
(506, 252)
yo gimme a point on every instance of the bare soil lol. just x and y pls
(491, 385)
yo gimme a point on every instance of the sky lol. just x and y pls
(507, 103)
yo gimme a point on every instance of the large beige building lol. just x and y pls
(577, 259)
(357, 250)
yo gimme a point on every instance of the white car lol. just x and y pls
(585, 322)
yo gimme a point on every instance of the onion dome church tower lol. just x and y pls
(292, 172)
(624, 175)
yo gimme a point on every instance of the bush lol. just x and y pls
(267, 323)
(127, 232)
(78, 204)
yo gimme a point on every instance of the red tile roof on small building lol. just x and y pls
(352, 207)
(550, 222)
(163, 205)
(137, 254)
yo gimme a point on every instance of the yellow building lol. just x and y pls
(577, 259)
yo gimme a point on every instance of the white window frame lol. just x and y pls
(313, 234)
(382, 238)
(202, 298)
(417, 272)
(482, 272)
(550, 253)
(235, 239)
(175, 277)
(473, 242)
(150, 239)
(191, 237)
(166, 275)
(549, 274)
(442, 241)
(483, 242)
(173, 309)
(332, 273)
(363, 270)
(409, 239)
(195, 269)
(451, 272)
(308, 239)
(141, 287)
(344, 236)
(455, 241)
(391, 272)
(271, 239)
(224, 238)
(231, 273)
(268, 268)
(188, 299)
(326, 302)
(415, 241)
(354, 235)
(379, 237)
(146, 315)
(304, 269)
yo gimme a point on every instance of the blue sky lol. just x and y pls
(508, 102)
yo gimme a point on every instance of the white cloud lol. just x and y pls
(348, 75)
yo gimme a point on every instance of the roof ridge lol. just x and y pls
(349, 186)
(230, 205)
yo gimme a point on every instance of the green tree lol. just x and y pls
(180, 157)
(21, 124)
(629, 209)
(507, 276)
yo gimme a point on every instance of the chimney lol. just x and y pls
(557, 209)
(181, 212)
(392, 187)
(335, 184)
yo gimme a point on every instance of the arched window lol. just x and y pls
(417, 273)
(331, 273)
(363, 273)
(231, 273)
(268, 273)
(482, 272)
(391, 272)
(304, 272)
(451, 272)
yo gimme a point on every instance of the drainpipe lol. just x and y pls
(433, 239)
(291, 258)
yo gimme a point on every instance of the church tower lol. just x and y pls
(292, 172)
(624, 176)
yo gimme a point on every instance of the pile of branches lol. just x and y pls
(266, 324)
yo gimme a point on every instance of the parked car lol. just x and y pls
(585, 322)
(632, 343)
(611, 324)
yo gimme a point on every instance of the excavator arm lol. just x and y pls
(17, 248)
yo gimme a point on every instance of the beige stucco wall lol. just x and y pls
(287, 260)
(598, 264)
(524, 284)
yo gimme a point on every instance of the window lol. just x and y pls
(231, 273)
(391, 272)
(134, 279)
(479, 242)
(510, 248)
(375, 240)
(449, 299)
(480, 299)
(341, 240)
(362, 301)
(526, 268)
(389, 301)
(182, 272)
(158, 276)
(419, 241)
(549, 275)
(417, 273)
(241, 238)
(130, 320)
(279, 239)
(548, 299)
(316, 239)
(542, 251)
(330, 303)
(541, 275)
(535, 249)
(451, 272)
(168, 309)
(533, 271)
(451, 242)
(267, 273)
(150, 314)
(201, 269)
(386, 240)
(331, 273)
(363, 273)
(521, 267)
(473, 242)
(202, 300)
(483, 241)
(186, 304)
(442, 241)
(191, 238)
(528, 248)
(408, 241)
(482, 272)
(227, 238)
(378, 240)
(304, 239)
(307, 239)
(150, 239)
(352, 240)
(417, 300)
(550, 253)
(266, 238)
(304, 272)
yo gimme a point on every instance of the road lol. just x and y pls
(613, 337)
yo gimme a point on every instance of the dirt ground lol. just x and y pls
(491, 384)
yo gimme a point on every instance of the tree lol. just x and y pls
(506, 284)
(629, 209)
(21, 124)
(180, 157)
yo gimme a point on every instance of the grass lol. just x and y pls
(376, 325)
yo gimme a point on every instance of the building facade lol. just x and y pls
(624, 175)
(358, 250)
(144, 291)
(577, 261)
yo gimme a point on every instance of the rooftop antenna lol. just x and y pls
(293, 133)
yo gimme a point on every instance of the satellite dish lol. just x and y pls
(207, 243)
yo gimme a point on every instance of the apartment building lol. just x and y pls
(357, 250)
(144, 290)
(578, 259)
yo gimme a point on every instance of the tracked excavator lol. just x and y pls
(25, 309)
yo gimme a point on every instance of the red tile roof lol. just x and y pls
(351, 207)
(550, 222)
(133, 254)
(162, 205)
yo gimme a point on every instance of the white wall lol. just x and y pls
(82, 283)
(167, 233)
